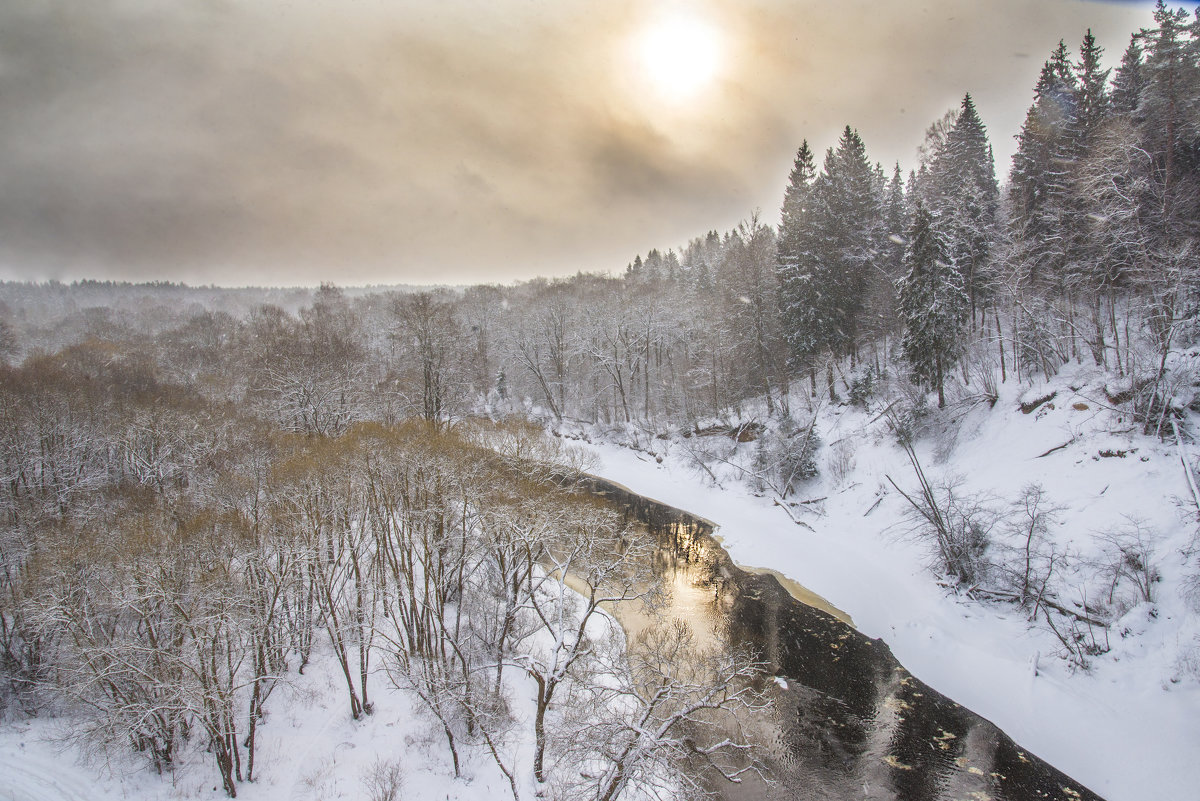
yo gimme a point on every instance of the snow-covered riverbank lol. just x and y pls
(1129, 728)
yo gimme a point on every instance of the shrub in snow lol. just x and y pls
(981, 368)
(956, 524)
(708, 454)
(1188, 663)
(863, 386)
(787, 458)
(1191, 590)
(1129, 566)
(383, 780)
(1037, 347)
(910, 415)
(840, 464)
(1029, 556)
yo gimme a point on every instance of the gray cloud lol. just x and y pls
(268, 141)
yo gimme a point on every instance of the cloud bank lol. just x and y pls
(263, 141)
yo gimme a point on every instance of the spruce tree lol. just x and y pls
(895, 214)
(1140, 180)
(653, 267)
(849, 215)
(1082, 263)
(830, 248)
(795, 201)
(1169, 111)
(799, 297)
(1064, 74)
(1129, 79)
(671, 265)
(1093, 101)
(962, 190)
(879, 316)
(1168, 120)
(751, 279)
(933, 304)
(634, 269)
(1039, 179)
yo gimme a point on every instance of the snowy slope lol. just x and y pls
(1129, 728)
(310, 750)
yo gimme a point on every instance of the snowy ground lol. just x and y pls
(310, 750)
(1130, 728)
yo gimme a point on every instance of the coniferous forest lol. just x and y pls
(200, 487)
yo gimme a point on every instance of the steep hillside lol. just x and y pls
(1054, 490)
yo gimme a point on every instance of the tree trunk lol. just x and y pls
(1000, 342)
(539, 728)
(937, 370)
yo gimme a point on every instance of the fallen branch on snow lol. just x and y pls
(792, 517)
(1000, 595)
(878, 501)
(1055, 448)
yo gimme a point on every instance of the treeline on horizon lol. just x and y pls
(1088, 250)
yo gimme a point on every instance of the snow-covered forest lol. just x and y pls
(219, 507)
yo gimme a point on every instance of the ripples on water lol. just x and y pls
(849, 722)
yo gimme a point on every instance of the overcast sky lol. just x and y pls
(377, 141)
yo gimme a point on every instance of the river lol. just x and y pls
(852, 722)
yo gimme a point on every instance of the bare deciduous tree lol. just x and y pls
(676, 715)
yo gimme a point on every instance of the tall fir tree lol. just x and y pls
(800, 298)
(1168, 118)
(880, 318)
(1082, 263)
(831, 238)
(1039, 178)
(1129, 79)
(963, 192)
(896, 222)
(1064, 73)
(1093, 101)
(933, 304)
(796, 208)
(1169, 110)
(751, 279)
(849, 215)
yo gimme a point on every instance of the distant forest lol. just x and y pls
(1087, 251)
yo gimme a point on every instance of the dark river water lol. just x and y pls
(852, 723)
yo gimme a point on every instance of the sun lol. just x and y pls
(679, 56)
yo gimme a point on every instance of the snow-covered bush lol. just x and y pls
(775, 459)
(787, 457)
(1028, 557)
(981, 367)
(863, 386)
(956, 524)
(840, 464)
(908, 417)
(1082, 638)
(1129, 566)
(1191, 589)
(1188, 663)
(1037, 347)
(383, 780)
(707, 454)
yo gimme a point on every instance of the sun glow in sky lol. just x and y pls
(679, 55)
(299, 141)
